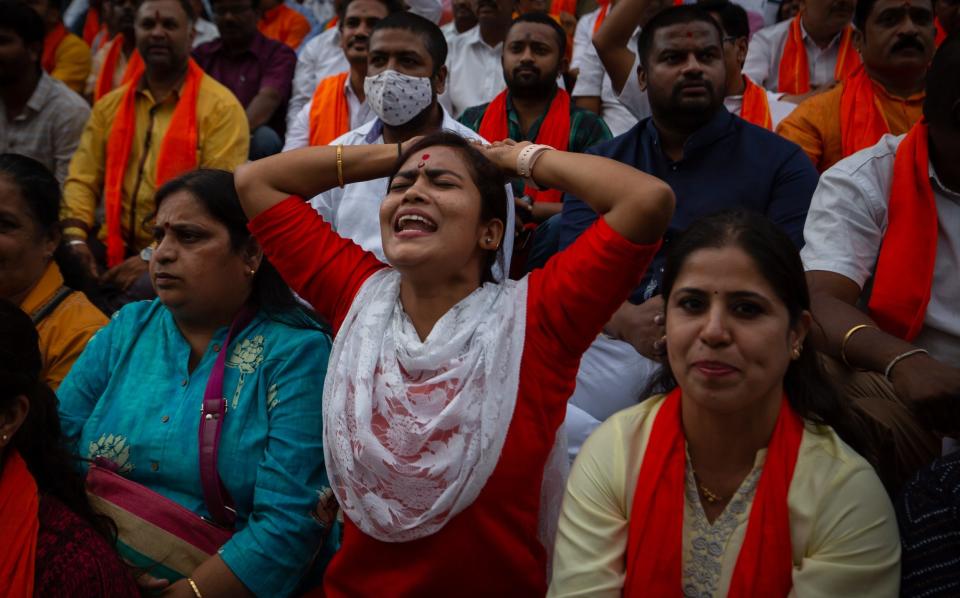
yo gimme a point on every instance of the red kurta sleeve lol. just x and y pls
(580, 288)
(320, 265)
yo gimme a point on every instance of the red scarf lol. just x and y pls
(19, 525)
(904, 275)
(554, 131)
(329, 111)
(941, 33)
(794, 74)
(756, 106)
(655, 543)
(604, 9)
(559, 6)
(331, 23)
(861, 118)
(91, 25)
(133, 70)
(178, 152)
(51, 42)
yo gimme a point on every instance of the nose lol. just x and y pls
(164, 252)
(692, 66)
(414, 193)
(527, 56)
(715, 332)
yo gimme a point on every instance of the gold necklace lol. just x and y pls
(709, 495)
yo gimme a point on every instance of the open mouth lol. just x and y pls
(410, 224)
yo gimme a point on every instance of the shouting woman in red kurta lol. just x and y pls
(446, 387)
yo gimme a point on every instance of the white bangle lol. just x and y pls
(898, 359)
(72, 242)
(526, 159)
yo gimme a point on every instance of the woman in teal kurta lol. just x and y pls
(134, 395)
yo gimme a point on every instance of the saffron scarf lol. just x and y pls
(133, 70)
(756, 106)
(559, 6)
(794, 74)
(51, 42)
(904, 276)
(19, 525)
(941, 33)
(861, 117)
(554, 131)
(604, 9)
(655, 543)
(91, 25)
(178, 151)
(329, 111)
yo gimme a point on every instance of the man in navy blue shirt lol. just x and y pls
(711, 159)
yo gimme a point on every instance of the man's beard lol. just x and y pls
(541, 88)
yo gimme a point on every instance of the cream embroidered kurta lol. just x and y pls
(842, 525)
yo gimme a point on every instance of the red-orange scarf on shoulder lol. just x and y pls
(91, 25)
(19, 525)
(904, 276)
(604, 9)
(329, 110)
(50, 44)
(178, 151)
(794, 74)
(132, 71)
(862, 123)
(554, 131)
(756, 106)
(655, 538)
(941, 33)
(559, 6)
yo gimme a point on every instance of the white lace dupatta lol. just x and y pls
(413, 430)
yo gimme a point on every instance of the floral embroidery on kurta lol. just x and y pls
(246, 357)
(114, 448)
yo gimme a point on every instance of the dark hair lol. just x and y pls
(392, 7)
(486, 176)
(809, 391)
(215, 191)
(254, 4)
(184, 4)
(39, 440)
(943, 85)
(675, 15)
(431, 35)
(16, 16)
(41, 194)
(543, 19)
(733, 18)
(862, 12)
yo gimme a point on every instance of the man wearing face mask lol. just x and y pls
(807, 54)
(405, 73)
(339, 103)
(885, 95)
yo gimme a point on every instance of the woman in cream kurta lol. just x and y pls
(842, 527)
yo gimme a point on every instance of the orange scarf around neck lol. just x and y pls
(178, 152)
(604, 9)
(904, 275)
(91, 26)
(50, 44)
(554, 131)
(756, 106)
(862, 123)
(329, 111)
(655, 538)
(19, 526)
(559, 6)
(133, 70)
(794, 74)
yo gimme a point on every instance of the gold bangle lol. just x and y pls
(75, 231)
(340, 165)
(193, 585)
(846, 339)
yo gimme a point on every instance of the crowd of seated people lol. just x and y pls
(388, 298)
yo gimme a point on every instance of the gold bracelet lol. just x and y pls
(75, 231)
(846, 339)
(193, 585)
(340, 165)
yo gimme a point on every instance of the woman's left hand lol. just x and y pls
(504, 154)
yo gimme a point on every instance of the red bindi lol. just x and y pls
(423, 160)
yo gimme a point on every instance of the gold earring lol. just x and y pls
(252, 272)
(796, 353)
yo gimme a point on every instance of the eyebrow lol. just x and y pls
(733, 294)
(431, 173)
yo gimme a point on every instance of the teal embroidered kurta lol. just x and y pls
(130, 398)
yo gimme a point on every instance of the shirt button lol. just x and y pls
(183, 382)
(165, 418)
(154, 465)
(216, 348)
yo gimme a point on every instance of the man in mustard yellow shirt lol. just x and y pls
(65, 56)
(164, 32)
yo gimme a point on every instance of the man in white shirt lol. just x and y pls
(473, 62)
(406, 60)
(323, 56)
(355, 24)
(594, 89)
(464, 19)
(823, 24)
(906, 379)
(612, 44)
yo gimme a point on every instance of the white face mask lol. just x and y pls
(396, 98)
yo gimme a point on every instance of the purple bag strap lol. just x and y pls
(212, 413)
